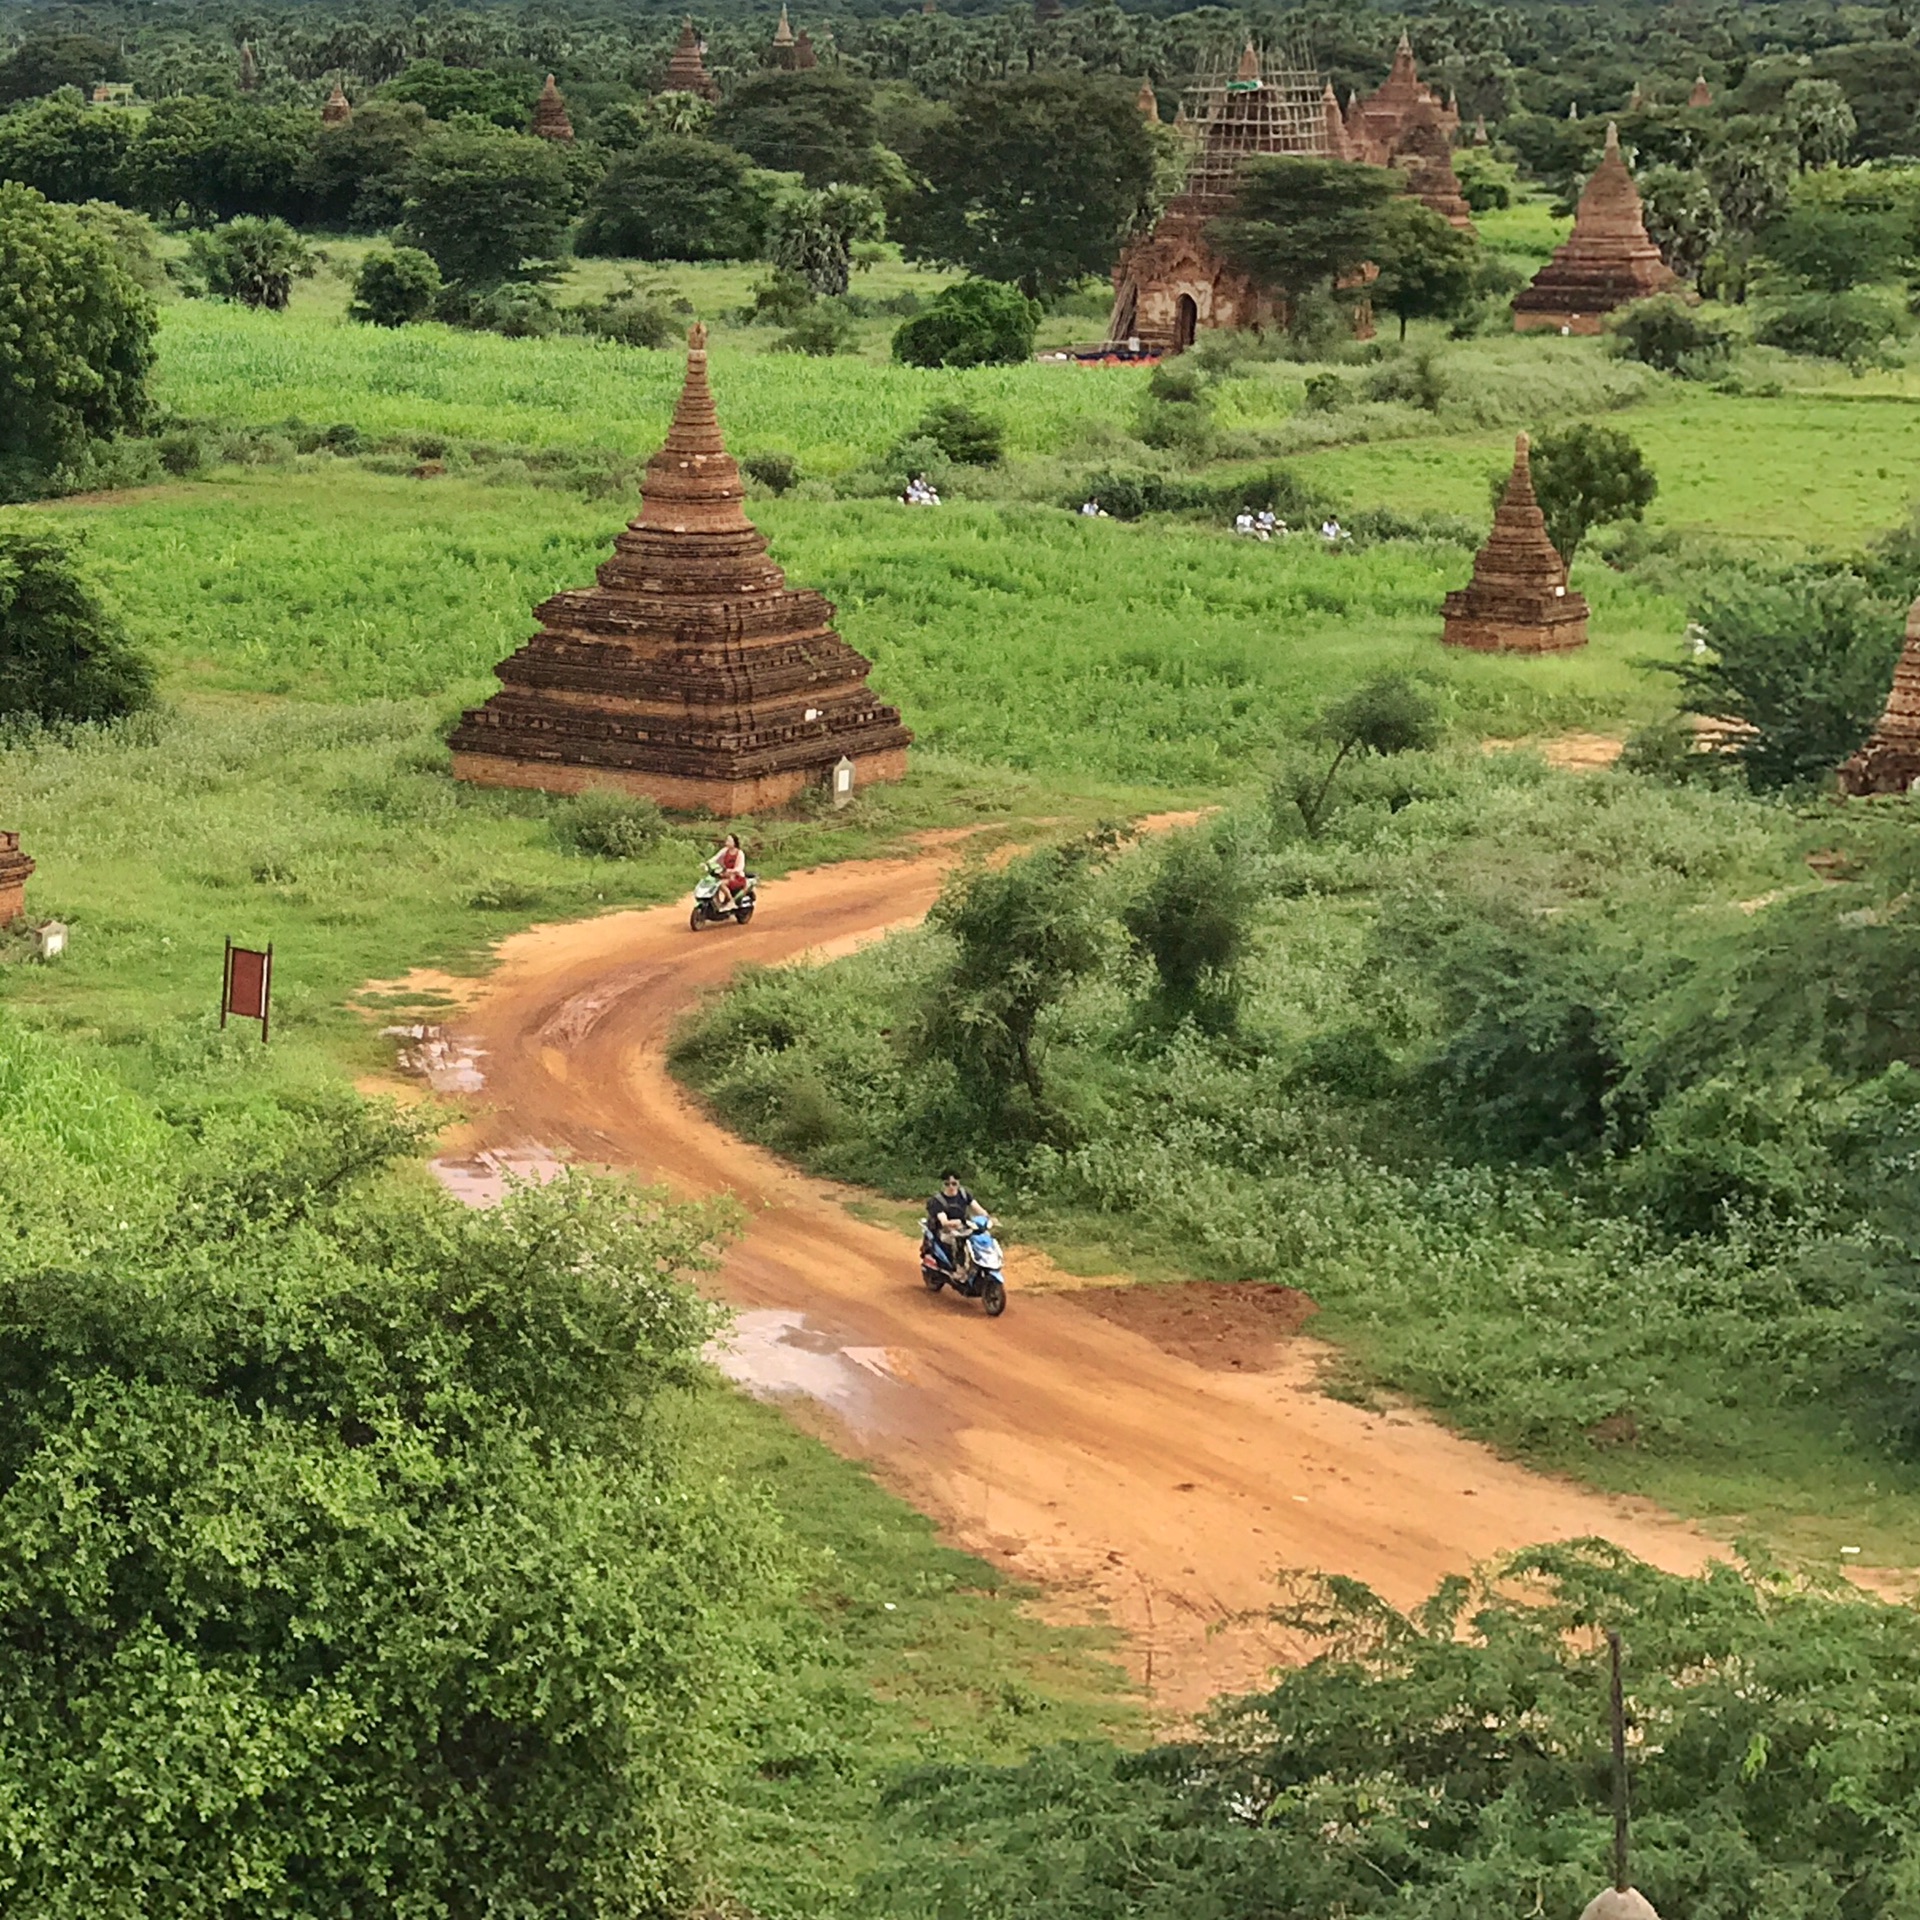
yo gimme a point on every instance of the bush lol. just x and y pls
(825, 328)
(633, 318)
(966, 436)
(778, 300)
(1193, 922)
(63, 657)
(182, 452)
(1669, 335)
(518, 309)
(773, 470)
(1326, 393)
(979, 323)
(1129, 493)
(1176, 412)
(251, 260)
(1851, 327)
(612, 825)
(395, 287)
(676, 198)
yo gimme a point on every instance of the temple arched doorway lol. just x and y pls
(1186, 322)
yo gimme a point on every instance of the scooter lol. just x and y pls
(740, 908)
(973, 1269)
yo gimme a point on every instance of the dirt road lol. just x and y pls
(1153, 1467)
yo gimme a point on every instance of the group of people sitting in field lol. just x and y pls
(920, 493)
(1266, 525)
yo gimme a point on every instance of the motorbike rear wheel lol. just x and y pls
(934, 1278)
(745, 913)
(993, 1296)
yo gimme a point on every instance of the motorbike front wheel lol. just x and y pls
(696, 920)
(993, 1296)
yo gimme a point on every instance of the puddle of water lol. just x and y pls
(772, 1351)
(483, 1179)
(446, 1064)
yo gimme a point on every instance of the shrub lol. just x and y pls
(1667, 334)
(778, 300)
(1326, 393)
(1851, 327)
(517, 309)
(1192, 922)
(773, 470)
(825, 328)
(633, 318)
(1585, 476)
(63, 657)
(182, 452)
(1176, 412)
(612, 825)
(395, 287)
(1386, 715)
(979, 323)
(251, 260)
(966, 436)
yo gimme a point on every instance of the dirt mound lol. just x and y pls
(1218, 1324)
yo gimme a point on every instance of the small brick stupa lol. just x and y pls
(1890, 761)
(15, 871)
(1519, 600)
(1702, 94)
(338, 110)
(550, 121)
(686, 71)
(692, 673)
(1606, 262)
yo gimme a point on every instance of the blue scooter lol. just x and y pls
(972, 1267)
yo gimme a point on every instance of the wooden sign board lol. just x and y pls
(246, 987)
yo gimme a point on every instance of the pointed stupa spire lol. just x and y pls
(550, 120)
(783, 33)
(1890, 760)
(1148, 105)
(1702, 94)
(338, 110)
(686, 71)
(1249, 68)
(1336, 126)
(692, 485)
(1518, 600)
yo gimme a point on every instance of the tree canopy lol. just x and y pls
(818, 123)
(489, 207)
(1428, 268)
(676, 197)
(1300, 224)
(63, 657)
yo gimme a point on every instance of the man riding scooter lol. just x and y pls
(958, 1250)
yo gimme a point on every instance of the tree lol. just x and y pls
(61, 149)
(1850, 327)
(395, 287)
(1666, 333)
(1683, 216)
(254, 262)
(1428, 268)
(353, 174)
(1034, 180)
(350, 1550)
(1023, 936)
(506, 99)
(812, 234)
(1804, 661)
(818, 123)
(1300, 224)
(965, 435)
(43, 63)
(978, 323)
(1585, 477)
(221, 158)
(1825, 246)
(1193, 922)
(1386, 715)
(1819, 121)
(489, 207)
(63, 658)
(76, 340)
(676, 198)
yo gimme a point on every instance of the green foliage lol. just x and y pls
(965, 435)
(634, 317)
(1851, 327)
(252, 261)
(1176, 411)
(1820, 122)
(1453, 1758)
(811, 234)
(1033, 180)
(978, 323)
(220, 158)
(489, 207)
(63, 657)
(818, 123)
(1820, 246)
(1804, 662)
(1386, 715)
(1428, 269)
(442, 91)
(44, 62)
(1193, 921)
(824, 329)
(1683, 216)
(395, 287)
(76, 340)
(353, 175)
(776, 471)
(1301, 224)
(613, 825)
(676, 197)
(1586, 476)
(61, 149)
(1668, 334)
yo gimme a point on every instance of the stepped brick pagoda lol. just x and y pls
(1606, 262)
(1376, 125)
(15, 871)
(691, 673)
(1890, 761)
(1702, 94)
(1518, 600)
(686, 71)
(550, 121)
(338, 110)
(1424, 153)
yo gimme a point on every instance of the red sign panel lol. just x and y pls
(247, 988)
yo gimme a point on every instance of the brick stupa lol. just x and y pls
(1890, 760)
(1606, 262)
(15, 871)
(686, 71)
(1424, 153)
(550, 121)
(1518, 600)
(691, 673)
(1376, 124)
(338, 110)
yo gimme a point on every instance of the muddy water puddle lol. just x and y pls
(777, 1353)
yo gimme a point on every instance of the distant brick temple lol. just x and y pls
(15, 871)
(686, 70)
(1518, 600)
(1607, 261)
(1377, 124)
(691, 673)
(338, 110)
(550, 119)
(1890, 760)
(791, 52)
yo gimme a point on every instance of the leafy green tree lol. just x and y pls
(675, 197)
(63, 657)
(1034, 180)
(1023, 936)
(1682, 215)
(1301, 224)
(45, 62)
(353, 174)
(1193, 922)
(1851, 327)
(822, 329)
(968, 437)
(61, 149)
(395, 287)
(1584, 477)
(812, 234)
(349, 1555)
(1386, 715)
(220, 158)
(1804, 662)
(1820, 246)
(254, 262)
(978, 323)
(506, 99)
(1428, 268)
(489, 207)
(1820, 122)
(818, 123)
(76, 340)
(1665, 332)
